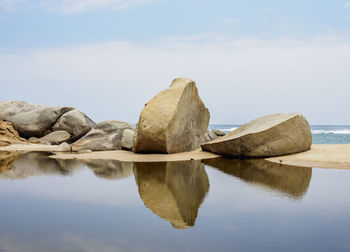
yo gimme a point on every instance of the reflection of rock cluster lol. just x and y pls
(35, 164)
(110, 169)
(284, 178)
(173, 190)
(7, 159)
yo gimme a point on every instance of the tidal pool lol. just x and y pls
(209, 205)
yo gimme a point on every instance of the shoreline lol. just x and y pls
(333, 156)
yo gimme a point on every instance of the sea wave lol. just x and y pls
(231, 129)
(313, 131)
(338, 131)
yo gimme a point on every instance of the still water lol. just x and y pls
(208, 205)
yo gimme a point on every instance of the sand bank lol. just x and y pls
(128, 156)
(28, 147)
(321, 155)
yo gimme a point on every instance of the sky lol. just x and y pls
(249, 58)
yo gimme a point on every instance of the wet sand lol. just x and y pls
(128, 156)
(335, 156)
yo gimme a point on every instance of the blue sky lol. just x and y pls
(249, 58)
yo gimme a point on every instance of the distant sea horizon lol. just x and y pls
(321, 134)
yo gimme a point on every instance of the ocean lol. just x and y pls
(321, 134)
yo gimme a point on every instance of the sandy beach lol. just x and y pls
(336, 156)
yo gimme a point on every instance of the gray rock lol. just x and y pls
(64, 147)
(33, 140)
(127, 139)
(218, 132)
(273, 135)
(75, 123)
(212, 135)
(106, 135)
(31, 120)
(55, 137)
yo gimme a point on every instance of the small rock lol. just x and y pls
(207, 137)
(55, 137)
(64, 147)
(127, 139)
(33, 140)
(106, 135)
(212, 135)
(218, 132)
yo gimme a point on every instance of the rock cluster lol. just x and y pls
(31, 120)
(175, 120)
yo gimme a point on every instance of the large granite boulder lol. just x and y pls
(32, 120)
(8, 135)
(106, 135)
(75, 123)
(267, 136)
(175, 120)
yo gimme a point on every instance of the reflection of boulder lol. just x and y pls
(173, 190)
(37, 164)
(288, 179)
(7, 159)
(110, 169)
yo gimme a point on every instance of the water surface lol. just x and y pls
(209, 205)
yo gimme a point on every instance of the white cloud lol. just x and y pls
(239, 79)
(347, 4)
(72, 6)
(75, 6)
(10, 5)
